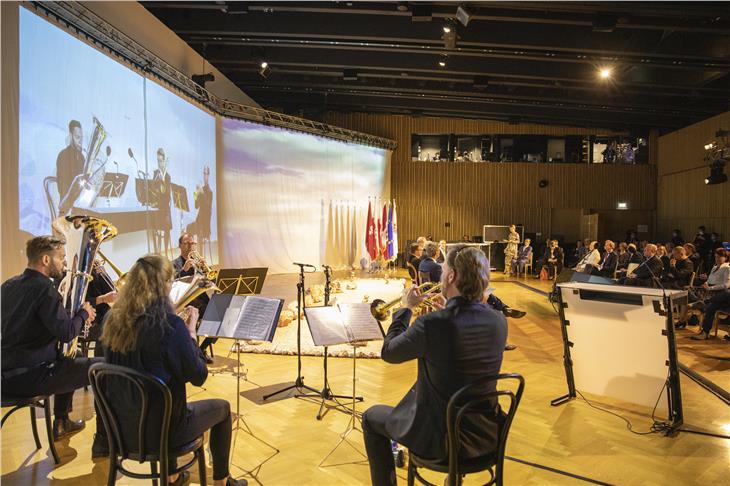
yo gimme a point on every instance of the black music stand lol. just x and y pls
(146, 195)
(241, 281)
(180, 200)
(113, 185)
(299, 382)
(214, 325)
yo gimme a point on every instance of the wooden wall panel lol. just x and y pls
(469, 195)
(683, 199)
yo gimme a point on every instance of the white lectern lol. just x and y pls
(619, 342)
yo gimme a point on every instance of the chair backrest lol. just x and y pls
(423, 277)
(48, 183)
(467, 400)
(101, 376)
(413, 273)
(692, 279)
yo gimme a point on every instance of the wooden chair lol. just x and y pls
(528, 264)
(423, 277)
(40, 401)
(471, 400)
(413, 272)
(721, 314)
(129, 440)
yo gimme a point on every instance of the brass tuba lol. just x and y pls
(87, 184)
(83, 235)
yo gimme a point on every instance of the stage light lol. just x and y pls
(201, 79)
(447, 28)
(464, 14)
(717, 173)
(264, 69)
(442, 61)
(449, 36)
(710, 146)
(605, 73)
(622, 205)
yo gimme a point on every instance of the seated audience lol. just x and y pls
(428, 263)
(34, 325)
(664, 256)
(677, 239)
(607, 266)
(442, 252)
(693, 256)
(680, 270)
(475, 335)
(552, 260)
(592, 258)
(634, 254)
(623, 256)
(523, 256)
(717, 281)
(142, 332)
(719, 301)
(414, 258)
(648, 272)
(579, 252)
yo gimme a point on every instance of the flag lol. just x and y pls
(370, 234)
(376, 229)
(384, 232)
(392, 234)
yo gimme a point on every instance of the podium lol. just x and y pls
(619, 342)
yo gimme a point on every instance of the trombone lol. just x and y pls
(381, 309)
(121, 276)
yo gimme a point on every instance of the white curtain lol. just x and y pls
(288, 197)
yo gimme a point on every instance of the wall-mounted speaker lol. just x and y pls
(543, 183)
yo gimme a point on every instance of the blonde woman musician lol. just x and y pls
(510, 251)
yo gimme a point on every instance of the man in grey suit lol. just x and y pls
(455, 346)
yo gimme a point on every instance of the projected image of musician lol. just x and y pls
(203, 197)
(70, 160)
(161, 182)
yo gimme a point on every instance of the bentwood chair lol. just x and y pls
(470, 401)
(42, 402)
(129, 432)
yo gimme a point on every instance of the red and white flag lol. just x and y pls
(370, 240)
(384, 232)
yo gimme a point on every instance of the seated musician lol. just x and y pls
(645, 274)
(101, 294)
(518, 263)
(142, 332)
(454, 346)
(713, 295)
(428, 263)
(34, 324)
(185, 267)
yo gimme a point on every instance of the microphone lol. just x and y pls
(326, 267)
(305, 265)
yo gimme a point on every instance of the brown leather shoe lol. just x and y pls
(64, 427)
(510, 347)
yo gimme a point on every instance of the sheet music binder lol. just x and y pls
(342, 324)
(241, 317)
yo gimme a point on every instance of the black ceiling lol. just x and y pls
(516, 61)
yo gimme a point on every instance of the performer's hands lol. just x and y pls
(108, 298)
(412, 298)
(188, 265)
(191, 320)
(89, 310)
(438, 301)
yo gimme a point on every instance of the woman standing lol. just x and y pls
(510, 251)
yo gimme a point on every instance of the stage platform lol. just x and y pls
(573, 439)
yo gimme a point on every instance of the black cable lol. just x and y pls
(710, 434)
(656, 426)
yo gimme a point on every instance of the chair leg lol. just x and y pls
(411, 473)
(112, 479)
(201, 465)
(49, 430)
(153, 470)
(34, 426)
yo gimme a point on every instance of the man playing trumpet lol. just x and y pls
(455, 345)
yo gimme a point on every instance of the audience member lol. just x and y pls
(623, 256)
(553, 259)
(414, 259)
(607, 266)
(663, 255)
(428, 263)
(694, 256)
(680, 270)
(677, 239)
(646, 273)
(592, 258)
(523, 256)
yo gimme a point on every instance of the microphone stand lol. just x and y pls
(326, 393)
(299, 382)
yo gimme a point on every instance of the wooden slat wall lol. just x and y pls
(469, 195)
(683, 199)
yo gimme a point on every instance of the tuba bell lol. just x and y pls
(83, 235)
(85, 186)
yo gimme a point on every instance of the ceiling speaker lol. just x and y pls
(543, 183)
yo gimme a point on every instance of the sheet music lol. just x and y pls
(257, 317)
(230, 319)
(178, 290)
(208, 328)
(360, 323)
(325, 324)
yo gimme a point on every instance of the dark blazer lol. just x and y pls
(608, 264)
(454, 346)
(557, 254)
(644, 272)
(434, 270)
(679, 276)
(524, 254)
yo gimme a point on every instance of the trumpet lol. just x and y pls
(201, 266)
(381, 309)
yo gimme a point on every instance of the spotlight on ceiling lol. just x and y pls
(717, 173)
(264, 69)
(201, 79)
(605, 73)
(442, 61)
(464, 14)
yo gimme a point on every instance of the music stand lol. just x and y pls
(214, 325)
(113, 185)
(241, 281)
(146, 195)
(180, 200)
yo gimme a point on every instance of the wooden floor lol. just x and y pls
(573, 438)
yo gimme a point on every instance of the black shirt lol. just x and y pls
(69, 164)
(34, 321)
(204, 204)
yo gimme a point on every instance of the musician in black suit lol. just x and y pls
(644, 275)
(455, 346)
(163, 187)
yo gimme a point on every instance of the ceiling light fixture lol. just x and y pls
(442, 61)
(264, 69)
(605, 73)
(464, 14)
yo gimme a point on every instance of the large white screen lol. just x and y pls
(278, 187)
(70, 93)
